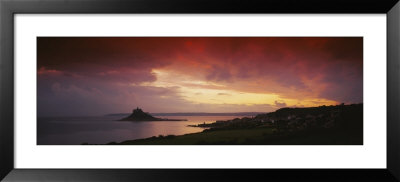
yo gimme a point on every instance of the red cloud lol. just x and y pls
(293, 67)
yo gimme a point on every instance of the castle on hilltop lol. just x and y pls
(137, 110)
(139, 115)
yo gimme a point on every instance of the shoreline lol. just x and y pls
(161, 119)
(324, 125)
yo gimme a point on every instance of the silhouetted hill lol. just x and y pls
(342, 118)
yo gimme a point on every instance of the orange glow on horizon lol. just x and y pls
(207, 92)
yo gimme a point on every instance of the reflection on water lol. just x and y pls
(101, 130)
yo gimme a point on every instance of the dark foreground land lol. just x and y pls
(324, 125)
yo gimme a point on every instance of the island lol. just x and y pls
(139, 115)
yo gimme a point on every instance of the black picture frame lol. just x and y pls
(9, 8)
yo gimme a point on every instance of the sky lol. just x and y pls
(87, 76)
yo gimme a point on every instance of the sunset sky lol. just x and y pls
(96, 76)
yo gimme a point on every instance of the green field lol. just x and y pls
(211, 137)
(255, 136)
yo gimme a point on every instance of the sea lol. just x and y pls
(106, 129)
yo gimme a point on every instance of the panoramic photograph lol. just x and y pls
(199, 91)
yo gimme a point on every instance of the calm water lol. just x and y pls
(102, 130)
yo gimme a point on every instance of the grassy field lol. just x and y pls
(211, 137)
(255, 136)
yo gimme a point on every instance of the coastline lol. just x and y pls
(324, 125)
(159, 119)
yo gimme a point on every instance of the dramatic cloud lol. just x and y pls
(91, 76)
